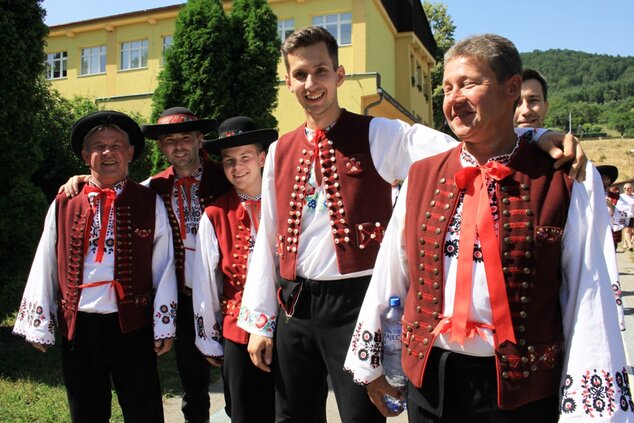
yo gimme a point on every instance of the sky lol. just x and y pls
(593, 26)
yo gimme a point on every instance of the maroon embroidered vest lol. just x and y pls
(358, 199)
(212, 184)
(533, 206)
(233, 231)
(134, 237)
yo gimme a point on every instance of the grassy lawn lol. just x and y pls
(31, 387)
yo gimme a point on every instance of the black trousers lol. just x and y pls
(99, 353)
(312, 345)
(193, 368)
(249, 394)
(460, 388)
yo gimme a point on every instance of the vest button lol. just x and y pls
(522, 342)
(443, 180)
(436, 285)
(421, 281)
(524, 360)
(503, 359)
(419, 295)
(451, 195)
(506, 201)
(422, 253)
(523, 314)
(524, 300)
(435, 315)
(436, 191)
(430, 328)
(526, 373)
(425, 341)
(524, 186)
(531, 349)
(435, 300)
(505, 375)
(423, 227)
(506, 213)
(526, 198)
(525, 285)
(421, 355)
(427, 215)
(418, 309)
(527, 271)
(416, 325)
(432, 203)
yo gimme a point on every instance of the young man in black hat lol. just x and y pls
(115, 314)
(226, 236)
(187, 186)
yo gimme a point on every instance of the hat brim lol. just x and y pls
(258, 136)
(612, 172)
(84, 125)
(204, 126)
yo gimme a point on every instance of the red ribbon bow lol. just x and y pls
(319, 136)
(476, 204)
(186, 183)
(107, 196)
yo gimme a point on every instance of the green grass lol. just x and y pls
(31, 386)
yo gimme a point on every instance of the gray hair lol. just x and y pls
(497, 52)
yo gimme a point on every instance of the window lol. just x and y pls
(134, 55)
(93, 60)
(285, 27)
(168, 40)
(340, 26)
(56, 65)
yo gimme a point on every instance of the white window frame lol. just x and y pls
(56, 63)
(96, 60)
(132, 51)
(285, 27)
(336, 20)
(168, 41)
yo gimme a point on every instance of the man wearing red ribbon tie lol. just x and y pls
(326, 200)
(104, 274)
(225, 241)
(504, 264)
(187, 186)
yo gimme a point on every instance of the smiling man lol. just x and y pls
(223, 252)
(506, 267)
(104, 275)
(532, 108)
(326, 200)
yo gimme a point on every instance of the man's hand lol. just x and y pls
(40, 347)
(163, 345)
(215, 361)
(71, 187)
(380, 387)
(261, 351)
(563, 148)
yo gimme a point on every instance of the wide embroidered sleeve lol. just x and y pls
(258, 312)
(36, 319)
(389, 279)
(164, 277)
(206, 291)
(594, 384)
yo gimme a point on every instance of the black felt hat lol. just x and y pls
(176, 120)
(610, 171)
(106, 117)
(237, 131)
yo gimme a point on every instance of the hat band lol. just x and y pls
(227, 134)
(176, 119)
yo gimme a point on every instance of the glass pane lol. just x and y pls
(346, 17)
(144, 58)
(332, 19)
(134, 59)
(84, 66)
(125, 59)
(346, 34)
(318, 20)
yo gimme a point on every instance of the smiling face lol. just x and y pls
(181, 150)
(479, 108)
(314, 80)
(108, 153)
(242, 166)
(532, 108)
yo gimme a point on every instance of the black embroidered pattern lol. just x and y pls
(166, 313)
(451, 248)
(200, 326)
(367, 345)
(622, 383)
(568, 404)
(598, 393)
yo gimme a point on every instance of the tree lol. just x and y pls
(22, 32)
(443, 28)
(221, 66)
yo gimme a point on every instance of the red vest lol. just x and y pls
(135, 217)
(358, 199)
(232, 225)
(533, 204)
(212, 184)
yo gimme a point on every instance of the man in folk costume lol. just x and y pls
(226, 236)
(104, 274)
(326, 199)
(187, 186)
(503, 263)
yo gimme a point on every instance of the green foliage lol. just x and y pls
(597, 90)
(221, 66)
(443, 28)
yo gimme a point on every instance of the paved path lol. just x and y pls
(626, 270)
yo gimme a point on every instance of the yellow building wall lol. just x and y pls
(375, 48)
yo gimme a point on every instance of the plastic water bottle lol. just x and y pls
(391, 324)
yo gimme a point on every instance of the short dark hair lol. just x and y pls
(497, 52)
(309, 36)
(533, 74)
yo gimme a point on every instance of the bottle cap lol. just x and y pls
(395, 301)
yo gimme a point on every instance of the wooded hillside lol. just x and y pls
(597, 89)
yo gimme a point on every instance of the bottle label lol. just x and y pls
(392, 338)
